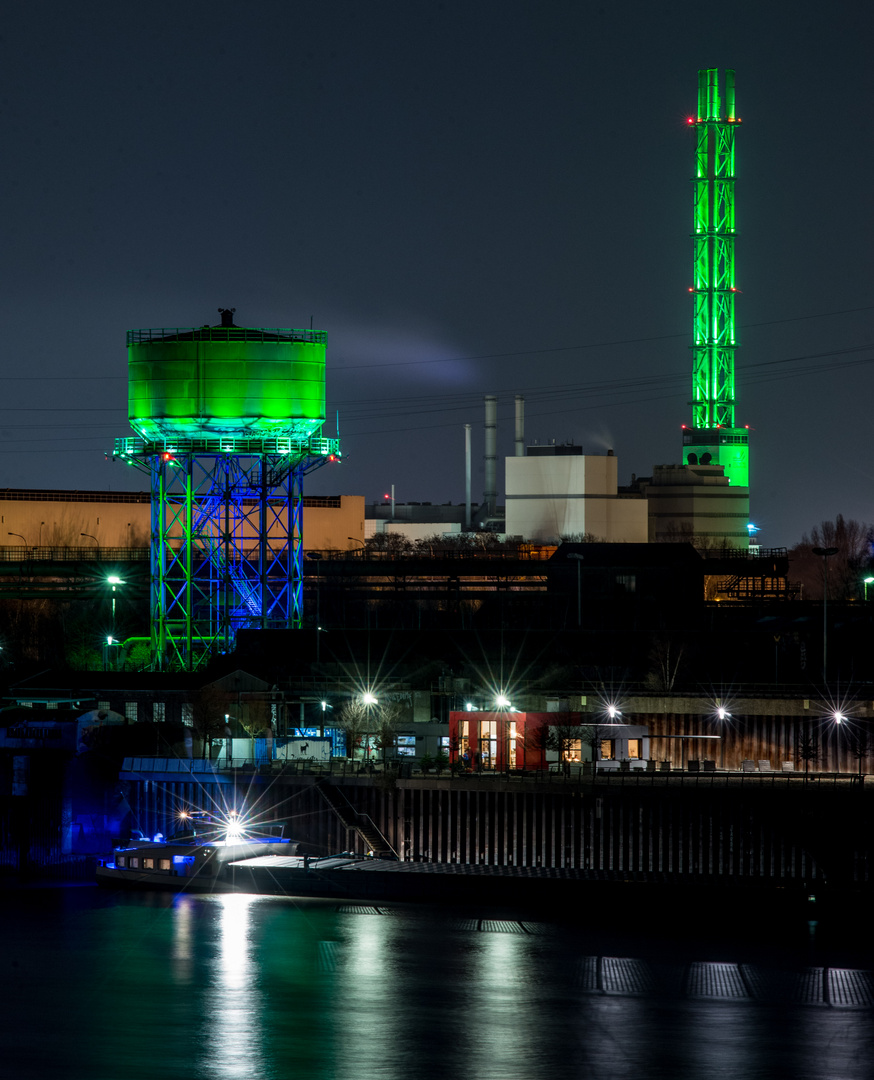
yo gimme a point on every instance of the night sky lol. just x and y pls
(470, 198)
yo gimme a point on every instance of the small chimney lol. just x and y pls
(490, 493)
(520, 426)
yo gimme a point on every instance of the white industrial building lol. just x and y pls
(556, 491)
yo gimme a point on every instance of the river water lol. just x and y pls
(99, 985)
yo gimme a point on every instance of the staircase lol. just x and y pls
(350, 818)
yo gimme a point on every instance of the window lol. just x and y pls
(627, 582)
(608, 751)
(187, 714)
(573, 751)
(635, 748)
(134, 862)
(148, 864)
(164, 864)
(130, 710)
(406, 745)
(120, 861)
(158, 712)
(103, 706)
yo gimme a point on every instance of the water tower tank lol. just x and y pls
(212, 381)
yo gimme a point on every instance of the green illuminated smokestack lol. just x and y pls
(713, 437)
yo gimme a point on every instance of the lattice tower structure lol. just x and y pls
(714, 438)
(228, 423)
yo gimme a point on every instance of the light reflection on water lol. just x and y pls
(233, 1042)
(105, 987)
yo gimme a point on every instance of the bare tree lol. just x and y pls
(537, 741)
(209, 707)
(386, 728)
(355, 721)
(562, 737)
(807, 749)
(593, 735)
(858, 746)
(665, 658)
(845, 569)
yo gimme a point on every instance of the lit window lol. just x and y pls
(635, 748)
(607, 751)
(148, 864)
(164, 864)
(158, 712)
(573, 751)
(130, 710)
(120, 860)
(134, 863)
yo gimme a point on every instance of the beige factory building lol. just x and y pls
(121, 519)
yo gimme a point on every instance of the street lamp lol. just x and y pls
(825, 554)
(96, 541)
(578, 558)
(355, 540)
(20, 537)
(114, 580)
(392, 498)
(316, 556)
(866, 582)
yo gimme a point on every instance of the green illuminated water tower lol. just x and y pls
(228, 422)
(713, 438)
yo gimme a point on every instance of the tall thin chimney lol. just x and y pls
(467, 477)
(520, 426)
(490, 493)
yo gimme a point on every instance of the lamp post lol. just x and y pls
(316, 557)
(96, 541)
(20, 537)
(355, 540)
(392, 498)
(825, 554)
(866, 582)
(114, 580)
(578, 559)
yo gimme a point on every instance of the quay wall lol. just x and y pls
(769, 832)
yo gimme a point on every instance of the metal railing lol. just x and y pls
(225, 333)
(45, 553)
